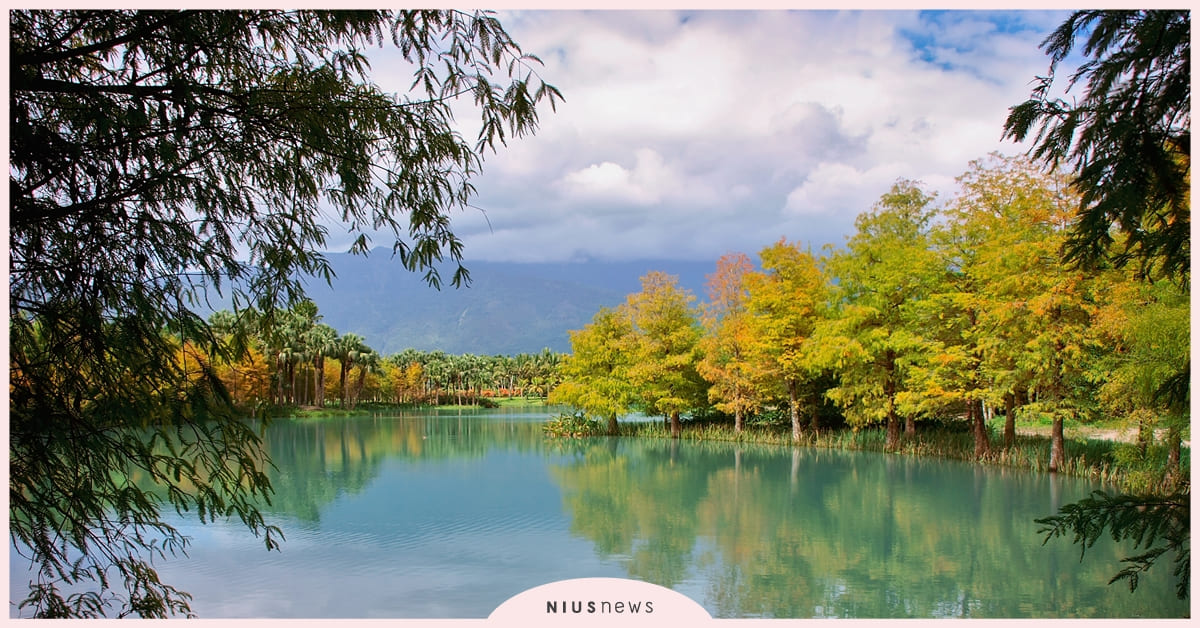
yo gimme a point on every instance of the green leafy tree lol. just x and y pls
(156, 155)
(1146, 327)
(875, 335)
(438, 373)
(546, 372)
(666, 334)
(287, 337)
(368, 362)
(1041, 319)
(595, 375)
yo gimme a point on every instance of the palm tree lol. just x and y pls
(348, 349)
(368, 361)
(437, 370)
(545, 373)
(287, 357)
(322, 341)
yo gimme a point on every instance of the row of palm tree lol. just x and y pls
(471, 376)
(294, 345)
(285, 363)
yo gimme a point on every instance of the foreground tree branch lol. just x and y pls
(158, 156)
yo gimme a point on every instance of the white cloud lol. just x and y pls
(599, 179)
(649, 181)
(830, 189)
(692, 134)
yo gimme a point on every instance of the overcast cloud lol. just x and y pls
(686, 135)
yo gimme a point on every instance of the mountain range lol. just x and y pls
(508, 308)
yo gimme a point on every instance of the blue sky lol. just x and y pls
(686, 135)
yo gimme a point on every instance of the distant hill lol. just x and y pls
(509, 308)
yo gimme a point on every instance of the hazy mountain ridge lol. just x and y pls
(508, 308)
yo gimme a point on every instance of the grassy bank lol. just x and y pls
(1119, 464)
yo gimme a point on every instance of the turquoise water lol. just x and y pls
(448, 515)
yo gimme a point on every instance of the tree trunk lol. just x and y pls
(1174, 450)
(1145, 432)
(892, 441)
(676, 426)
(302, 381)
(794, 406)
(358, 385)
(893, 431)
(612, 425)
(295, 398)
(319, 381)
(1058, 451)
(981, 436)
(739, 421)
(345, 370)
(279, 377)
(1010, 419)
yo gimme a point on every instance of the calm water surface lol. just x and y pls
(449, 515)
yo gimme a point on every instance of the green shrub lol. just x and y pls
(576, 425)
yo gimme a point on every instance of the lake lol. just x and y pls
(449, 514)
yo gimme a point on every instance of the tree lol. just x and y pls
(875, 335)
(726, 346)
(249, 380)
(368, 362)
(321, 340)
(1040, 316)
(437, 374)
(547, 373)
(952, 378)
(349, 349)
(408, 378)
(286, 335)
(595, 375)
(1127, 140)
(158, 155)
(666, 336)
(997, 246)
(1147, 328)
(785, 302)
(244, 371)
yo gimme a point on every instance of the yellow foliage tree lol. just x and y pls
(726, 346)
(666, 348)
(784, 301)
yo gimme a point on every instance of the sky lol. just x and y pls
(691, 134)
